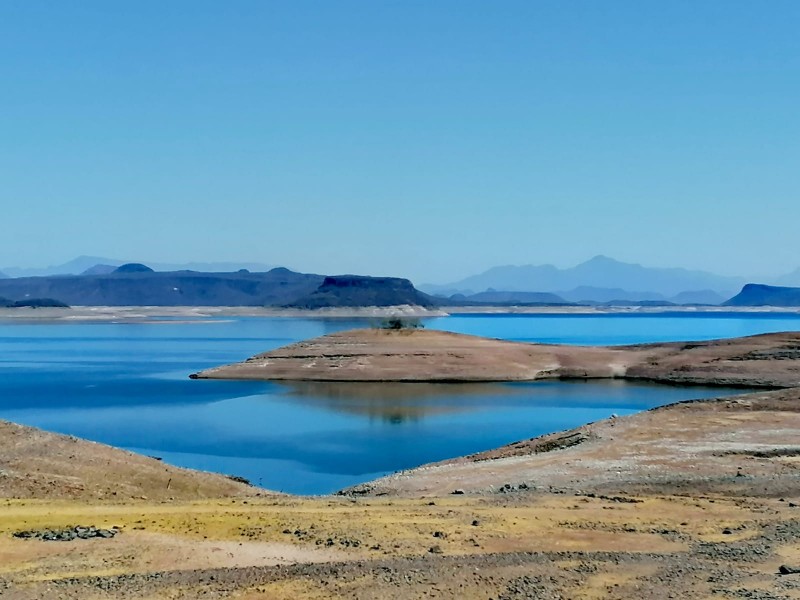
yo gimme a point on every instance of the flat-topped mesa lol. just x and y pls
(769, 361)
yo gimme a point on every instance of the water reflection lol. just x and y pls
(395, 403)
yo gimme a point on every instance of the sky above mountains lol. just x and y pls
(431, 140)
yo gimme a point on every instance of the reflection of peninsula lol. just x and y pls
(395, 402)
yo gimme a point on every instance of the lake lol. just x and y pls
(126, 384)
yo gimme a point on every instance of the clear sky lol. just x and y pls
(430, 139)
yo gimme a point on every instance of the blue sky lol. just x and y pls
(425, 139)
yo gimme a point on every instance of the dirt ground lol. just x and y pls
(515, 545)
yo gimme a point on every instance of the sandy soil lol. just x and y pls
(514, 545)
(38, 464)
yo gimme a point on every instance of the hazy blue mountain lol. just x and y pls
(3, 275)
(599, 272)
(213, 267)
(756, 294)
(651, 303)
(503, 297)
(133, 268)
(789, 280)
(591, 296)
(587, 293)
(72, 267)
(82, 264)
(99, 270)
(698, 297)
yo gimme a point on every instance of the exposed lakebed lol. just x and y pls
(126, 385)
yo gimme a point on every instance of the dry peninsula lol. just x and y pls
(419, 355)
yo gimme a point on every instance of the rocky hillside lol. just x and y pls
(138, 285)
(754, 294)
(38, 464)
(135, 285)
(355, 290)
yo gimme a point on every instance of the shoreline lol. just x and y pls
(141, 314)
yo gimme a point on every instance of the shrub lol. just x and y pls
(397, 323)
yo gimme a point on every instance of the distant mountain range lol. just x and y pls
(585, 295)
(605, 281)
(492, 296)
(790, 280)
(95, 281)
(598, 280)
(138, 285)
(97, 265)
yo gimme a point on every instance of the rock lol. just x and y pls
(457, 492)
(787, 570)
(436, 550)
(67, 534)
(24, 534)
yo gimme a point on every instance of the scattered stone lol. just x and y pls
(67, 534)
(436, 550)
(457, 492)
(508, 488)
(239, 479)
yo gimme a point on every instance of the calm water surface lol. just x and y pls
(126, 385)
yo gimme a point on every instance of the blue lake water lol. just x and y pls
(126, 385)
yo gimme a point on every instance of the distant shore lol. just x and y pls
(146, 313)
(568, 310)
(136, 314)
